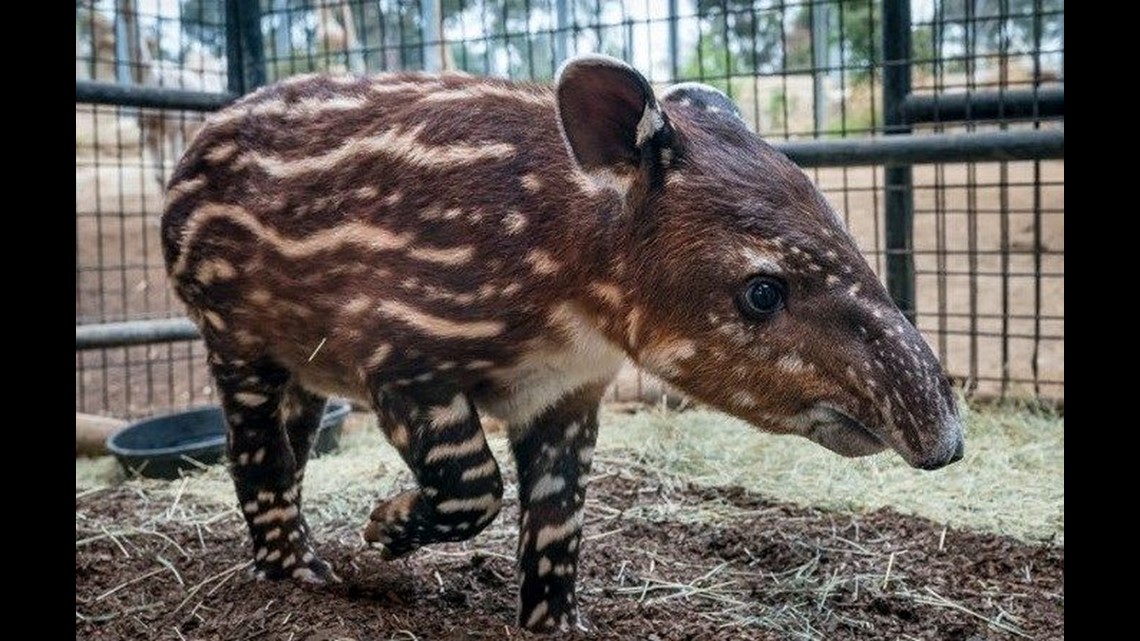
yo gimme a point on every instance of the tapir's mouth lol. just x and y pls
(836, 430)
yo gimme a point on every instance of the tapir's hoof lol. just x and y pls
(318, 575)
(389, 529)
(542, 621)
(389, 554)
(314, 571)
(391, 541)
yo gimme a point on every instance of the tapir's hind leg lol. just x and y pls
(271, 425)
(437, 432)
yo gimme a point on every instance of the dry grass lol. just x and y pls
(1011, 481)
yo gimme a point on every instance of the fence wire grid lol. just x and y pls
(986, 239)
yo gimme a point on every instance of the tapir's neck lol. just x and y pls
(599, 276)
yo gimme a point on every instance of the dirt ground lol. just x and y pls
(726, 564)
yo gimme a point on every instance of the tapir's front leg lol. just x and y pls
(553, 454)
(437, 432)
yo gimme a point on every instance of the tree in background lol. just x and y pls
(746, 37)
(963, 29)
(737, 37)
(521, 38)
(205, 22)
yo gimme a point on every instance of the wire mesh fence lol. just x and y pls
(985, 243)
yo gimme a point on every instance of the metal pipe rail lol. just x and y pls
(1033, 144)
(109, 93)
(143, 332)
(1047, 102)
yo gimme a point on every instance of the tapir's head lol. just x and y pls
(740, 284)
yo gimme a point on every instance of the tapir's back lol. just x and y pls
(343, 218)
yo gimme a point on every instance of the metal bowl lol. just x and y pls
(162, 446)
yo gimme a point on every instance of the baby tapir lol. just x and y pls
(440, 246)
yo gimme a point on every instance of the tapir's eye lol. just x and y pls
(762, 297)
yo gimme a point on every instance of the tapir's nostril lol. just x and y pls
(959, 452)
(942, 460)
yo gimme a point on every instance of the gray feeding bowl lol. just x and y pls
(162, 446)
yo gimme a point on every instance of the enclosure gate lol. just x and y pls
(896, 152)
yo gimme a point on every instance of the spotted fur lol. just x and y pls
(446, 246)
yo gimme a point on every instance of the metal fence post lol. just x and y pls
(126, 43)
(820, 23)
(282, 39)
(561, 31)
(431, 10)
(899, 189)
(674, 39)
(245, 50)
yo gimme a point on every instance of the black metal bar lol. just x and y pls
(899, 151)
(1004, 105)
(235, 69)
(245, 51)
(109, 93)
(134, 333)
(898, 179)
(253, 47)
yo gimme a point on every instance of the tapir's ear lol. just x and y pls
(609, 115)
(703, 97)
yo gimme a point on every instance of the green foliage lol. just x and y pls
(996, 24)
(778, 106)
(521, 37)
(739, 37)
(507, 30)
(742, 37)
(709, 65)
(205, 21)
(859, 37)
(748, 38)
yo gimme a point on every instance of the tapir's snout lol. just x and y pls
(880, 375)
(927, 447)
(952, 453)
(918, 415)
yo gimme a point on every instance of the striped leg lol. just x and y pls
(301, 413)
(271, 423)
(437, 432)
(553, 456)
